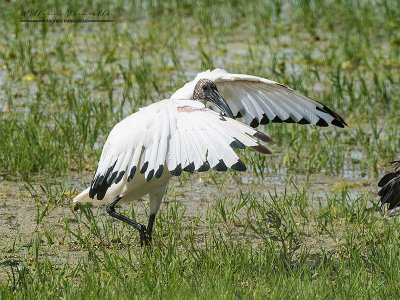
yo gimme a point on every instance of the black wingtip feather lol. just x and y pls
(336, 117)
(264, 120)
(102, 189)
(144, 168)
(260, 148)
(95, 183)
(262, 136)
(322, 123)
(254, 123)
(100, 181)
(204, 167)
(239, 166)
(237, 144)
(132, 173)
(177, 171)
(111, 179)
(159, 171)
(189, 168)
(303, 121)
(276, 120)
(119, 177)
(101, 193)
(220, 166)
(150, 175)
(290, 120)
(337, 123)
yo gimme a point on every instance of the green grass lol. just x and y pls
(332, 249)
(64, 86)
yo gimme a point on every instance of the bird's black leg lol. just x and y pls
(150, 226)
(145, 238)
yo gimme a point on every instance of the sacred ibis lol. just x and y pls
(390, 190)
(146, 149)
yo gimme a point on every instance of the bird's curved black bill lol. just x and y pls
(215, 97)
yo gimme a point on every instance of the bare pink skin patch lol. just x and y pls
(186, 109)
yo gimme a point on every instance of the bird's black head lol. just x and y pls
(205, 89)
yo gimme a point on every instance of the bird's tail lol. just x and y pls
(390, 191)
(83, 197)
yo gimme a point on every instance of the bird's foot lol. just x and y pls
(145, 233)
(145, 237)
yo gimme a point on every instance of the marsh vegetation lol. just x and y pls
(303, 222)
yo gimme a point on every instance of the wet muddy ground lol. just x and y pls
(26, 213)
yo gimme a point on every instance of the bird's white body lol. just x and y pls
(167, 133)
(146, 149)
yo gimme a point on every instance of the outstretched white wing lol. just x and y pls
(259, 100)
(171, 136)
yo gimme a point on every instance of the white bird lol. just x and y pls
(146, 149)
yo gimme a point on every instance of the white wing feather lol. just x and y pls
(171, 135)
(259, 100)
